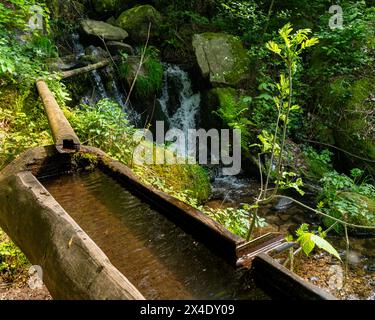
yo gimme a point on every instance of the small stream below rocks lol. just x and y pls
(320, 269)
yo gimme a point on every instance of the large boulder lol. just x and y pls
(362, 210)
(103, 30)
(355, 131)
(136, 21)
(222, 58)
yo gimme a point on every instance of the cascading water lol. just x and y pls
(100, 91)
(99, 84)
(178, 102)
(78, 48)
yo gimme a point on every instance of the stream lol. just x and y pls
(320, 269)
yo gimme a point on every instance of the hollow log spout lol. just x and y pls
(66, 141)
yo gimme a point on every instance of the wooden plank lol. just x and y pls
(264, 244)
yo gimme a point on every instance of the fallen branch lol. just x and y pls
(90, 67)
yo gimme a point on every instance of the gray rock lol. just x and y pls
(103, 30)
(283, 204)
(116, 47)
(136, 21)
(354, 257)
(221, 57)
(94, 54)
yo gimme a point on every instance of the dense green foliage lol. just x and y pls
(12, 260)
(348, 198)
(149, 80)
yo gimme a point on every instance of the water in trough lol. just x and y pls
(160, 259)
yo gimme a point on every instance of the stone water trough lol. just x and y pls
(74, 266)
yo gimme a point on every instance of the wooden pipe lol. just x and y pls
(66, 141)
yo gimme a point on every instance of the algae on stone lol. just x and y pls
(221, 57)
(356, 128)
(137, 20)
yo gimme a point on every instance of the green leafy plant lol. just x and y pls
(307, 241)
(289, 50)
(348, 198)
(12, 261)
(105, 126)
(15, 13)
(234, 112)
(151, 82)
(22, 63)
(245, 18)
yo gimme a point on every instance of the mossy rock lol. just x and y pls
(214, 99)
(362, 212)
(136, 21)
(103, 30)
(149, 77)
(356, 128)
(222, 58)
(175, 178)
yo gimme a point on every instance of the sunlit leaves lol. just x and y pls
(308, 240)
(273, 46)
(306, 243)
(266, 145)
(290, 180)
(285, 33)
(283, 86)
(310, 42)
(293, 44)
(325, 245)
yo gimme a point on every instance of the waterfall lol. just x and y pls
(100, 93)
(99, 84)
(178, 102)
(78, 48)
(100, 89)
(119, 97)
